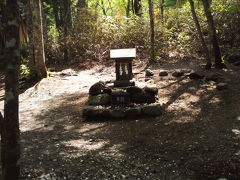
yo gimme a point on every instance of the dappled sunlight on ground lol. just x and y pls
(197, 137)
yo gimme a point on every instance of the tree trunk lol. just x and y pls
(55, 5)
(137, 7)
(151, 16)
(204, 45)
(1, 125)
(67, 25)
(36, 45)
(213, 35)
(179, 3)
(128, 8)
(103, 8)
(161, 9)
(10, 145)
(82, 4)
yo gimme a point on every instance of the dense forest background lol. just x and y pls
(81, 31)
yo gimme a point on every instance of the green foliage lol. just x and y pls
(94, 34)
(26, 73)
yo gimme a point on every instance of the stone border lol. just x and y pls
(91, 112)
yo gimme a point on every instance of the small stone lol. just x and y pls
(237, 63)
(177, 74)
(149, 73)
(147, 79)
(101, 99)
(195, 76)
(222, 86)
(163, 73)
(233, 58)
(211, 77)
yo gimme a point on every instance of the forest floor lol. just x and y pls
(196, 138)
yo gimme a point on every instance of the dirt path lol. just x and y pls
(197, 137)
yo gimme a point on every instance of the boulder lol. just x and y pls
(163, 73)
(149, 73)
(101, 99)
(152, 110)
(143, 97)
(222, 86)
(151, 90)
(196, 76)
(97, 88)
(177, 73)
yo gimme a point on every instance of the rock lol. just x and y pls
(151, 90)
(233, 58)
(97, 88)
(195, 76)
(222, 86)
(143, 97)
(68, 72)
(163, 73)
(237, 63)
(149, 73)
(134, 89)
(118, 113)
(132, 112)
(177, 73)
(152, 110)
(96, 111)
(101, 99)
(107, 90)
(211, 76)
(147, 79)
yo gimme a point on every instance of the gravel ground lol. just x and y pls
(197, 137)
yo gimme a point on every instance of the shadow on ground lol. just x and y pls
(199, 140)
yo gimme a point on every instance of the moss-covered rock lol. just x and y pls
(152, 110)
(101, 99)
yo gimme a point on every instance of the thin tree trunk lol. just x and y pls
(137, 7)
(82, 4)
(132, 5)
(110, 6)
(55, 5)
(151, 16)
(1, 125)
(67, 25)
(10, 144)
(161, 8)
(128, 8)
(213, 35)
(35, 28)
(178, 3)
(204, 45)
(103, 8)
